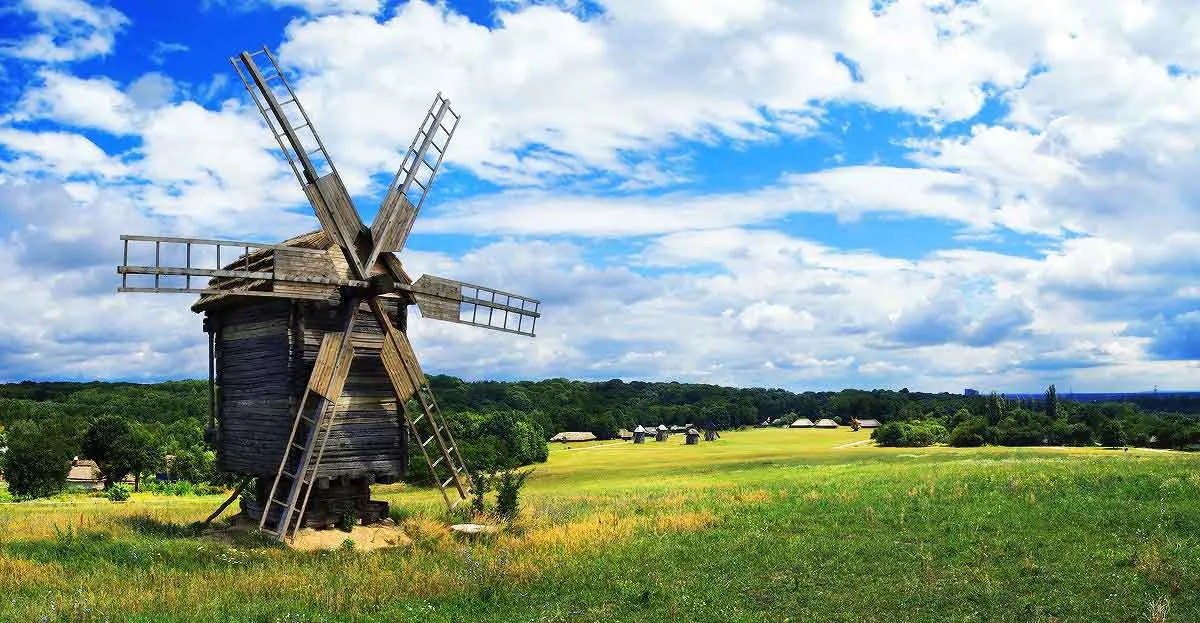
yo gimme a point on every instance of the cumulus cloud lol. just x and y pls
(1067, 128)
(67, 30)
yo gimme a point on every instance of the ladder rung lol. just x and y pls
(314, 151)
(435, 463)
(448, 481)
(287, 101)
(426, 442)
(418, 420)
(298, 446)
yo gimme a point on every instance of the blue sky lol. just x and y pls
(994, 194)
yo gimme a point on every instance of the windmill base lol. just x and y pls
(329, 500)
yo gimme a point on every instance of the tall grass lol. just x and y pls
(758, 526)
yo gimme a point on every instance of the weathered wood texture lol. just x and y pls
(327, 502)
(266, 353)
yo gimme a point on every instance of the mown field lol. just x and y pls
(765, 525)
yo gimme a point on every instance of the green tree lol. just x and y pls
(120, 448)
(1111, 434)
(1051, 402)
(38, 458)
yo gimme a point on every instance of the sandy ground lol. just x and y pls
(366, 538)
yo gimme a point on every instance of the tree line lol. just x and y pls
(501, 425)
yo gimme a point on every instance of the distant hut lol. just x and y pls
(825, 423)
(624, 435)
(801, 423)
(676, 428)
(639, 434)
(710, 432)
(84, 474)
(765, 423)
(661, 435)
(692, 437)
(868, 423)
(565, 437)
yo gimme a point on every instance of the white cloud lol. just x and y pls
(1096, 156)
(69, 30)
(96, 103)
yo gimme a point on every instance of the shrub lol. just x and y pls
(481, 483)
(969, 434)
(915, 434)
(118, 492)
(348, 519)
(508, 489)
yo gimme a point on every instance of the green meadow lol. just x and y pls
(762, 525)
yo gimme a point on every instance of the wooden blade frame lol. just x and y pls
(292, 272)
(410, 186)
(313, 167)
(456, 301)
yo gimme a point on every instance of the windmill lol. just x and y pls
(314, 386)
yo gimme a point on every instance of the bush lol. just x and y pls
(117, 492)
(481, 483)
(914, 434)
(508, 489)
(969, 434)
(348, 519)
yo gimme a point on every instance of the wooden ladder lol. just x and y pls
(298, 467)
(429, 427)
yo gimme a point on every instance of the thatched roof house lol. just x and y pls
(868, 423)
(625, 434)
(801, 423)
(84, 474)
(825, 423)
(573, 436)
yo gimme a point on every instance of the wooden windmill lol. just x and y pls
(314, 386)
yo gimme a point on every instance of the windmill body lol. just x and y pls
(315, 390)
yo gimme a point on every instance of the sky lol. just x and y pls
(878, 194)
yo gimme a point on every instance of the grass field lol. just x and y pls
(764, 525)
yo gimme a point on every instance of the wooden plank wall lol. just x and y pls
(266, 351)
(253, 353)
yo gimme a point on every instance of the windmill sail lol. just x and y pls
(395, 218)
(306, 154)
(465, 303)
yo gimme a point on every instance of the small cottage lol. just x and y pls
(825, 423)
(566, 437)
(801, 423)
(868, 423)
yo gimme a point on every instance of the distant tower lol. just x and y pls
(639, 434)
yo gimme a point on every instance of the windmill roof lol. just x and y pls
(662, 427)
(263, 260)
(692, 431)
(639, 429)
